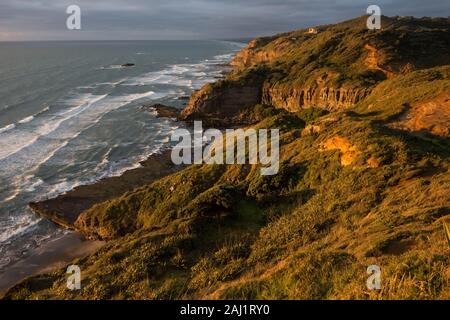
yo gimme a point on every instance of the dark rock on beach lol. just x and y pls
(65, 209)
(162, 110)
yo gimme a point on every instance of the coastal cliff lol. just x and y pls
(294, 99)
(221, 104)
(363, 180)
(333, 69)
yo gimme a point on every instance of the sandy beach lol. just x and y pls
(51, 256)
(65, 208)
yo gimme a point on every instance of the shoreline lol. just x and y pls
(49, 257)
(64, 209)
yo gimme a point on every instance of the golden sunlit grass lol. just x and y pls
(310, 232)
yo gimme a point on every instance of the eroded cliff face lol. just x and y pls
(431, 115)
(226, 102)
(221, 105)
(296, 98)
(256, 52)
(335, 68)
(374, 61)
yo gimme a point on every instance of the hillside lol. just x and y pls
(364, 179)
(333, 69)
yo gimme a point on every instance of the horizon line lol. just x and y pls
(105, 40)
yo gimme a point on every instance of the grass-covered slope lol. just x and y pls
(333, 69)
(353, 190)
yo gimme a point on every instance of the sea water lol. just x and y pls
(70, 115)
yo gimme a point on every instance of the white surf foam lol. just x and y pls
(26, 120)
(7, 127)
(115, 66)
(26, 150)
(111, 67)
(23, 121)
(55, 134)
(12, 196)
(17, 225)
(191, 75)
(14, 142)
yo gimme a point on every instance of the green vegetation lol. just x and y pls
(447, 233)
(353, 192)
(311, 114)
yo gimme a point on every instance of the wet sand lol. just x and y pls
(49, 257)
(64, 209)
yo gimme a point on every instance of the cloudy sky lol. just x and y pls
(188, 19)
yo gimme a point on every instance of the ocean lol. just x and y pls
(70, 115)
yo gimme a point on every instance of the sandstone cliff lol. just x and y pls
(256, 52)
(296, 98)
(221, 105)
(334, 69)
(358, 184)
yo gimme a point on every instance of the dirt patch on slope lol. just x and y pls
(373, 59)
(348, 151)
(431, 116)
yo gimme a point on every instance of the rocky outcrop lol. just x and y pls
(349, 152)
(295, 98)
(431, 116)
(373, 61)
(161, 110)
(66, 208)
(256, 53)
(221, 105)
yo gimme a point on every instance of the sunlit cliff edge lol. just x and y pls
(364, 180)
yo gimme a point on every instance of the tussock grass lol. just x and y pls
(309, 232)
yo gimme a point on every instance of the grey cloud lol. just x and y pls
(188, 19)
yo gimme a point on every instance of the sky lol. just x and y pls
(22, 20)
